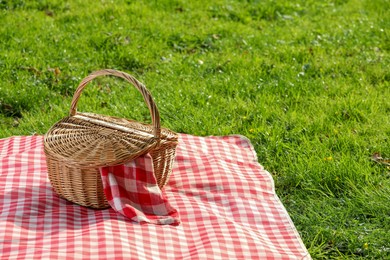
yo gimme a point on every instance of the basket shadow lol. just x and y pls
(40, 210)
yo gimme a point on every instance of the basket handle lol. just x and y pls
(138, 85)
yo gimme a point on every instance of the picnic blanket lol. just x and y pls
(226, 201)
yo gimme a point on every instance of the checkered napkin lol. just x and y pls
(131, 189)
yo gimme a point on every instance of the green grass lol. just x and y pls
(306, 81)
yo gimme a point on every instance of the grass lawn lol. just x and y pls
(306, 81)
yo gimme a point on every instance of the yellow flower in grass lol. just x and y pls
(365, 246)
(330, 158)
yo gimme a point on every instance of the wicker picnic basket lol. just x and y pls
(80, 143)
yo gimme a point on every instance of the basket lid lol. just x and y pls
(92, 140)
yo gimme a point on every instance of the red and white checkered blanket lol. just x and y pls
(227, 205)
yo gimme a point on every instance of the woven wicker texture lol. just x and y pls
(79, 144)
